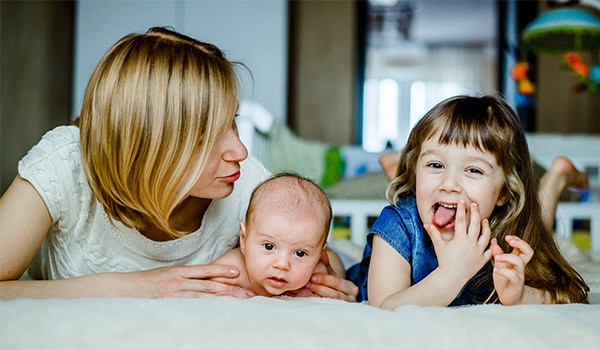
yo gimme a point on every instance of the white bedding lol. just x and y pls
(286, 323)
(263, 323)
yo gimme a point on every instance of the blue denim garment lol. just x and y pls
(401, 227)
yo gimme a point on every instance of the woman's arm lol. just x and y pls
(24, 222)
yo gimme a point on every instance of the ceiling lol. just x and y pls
(456, 21)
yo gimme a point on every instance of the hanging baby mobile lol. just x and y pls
(565, 31)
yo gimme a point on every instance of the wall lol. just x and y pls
(35, 66)
(323, 69)
(559, 109)
(251, 31)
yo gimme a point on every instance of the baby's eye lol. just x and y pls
(300, 253)
(268, 246)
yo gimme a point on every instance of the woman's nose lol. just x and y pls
(236, 151)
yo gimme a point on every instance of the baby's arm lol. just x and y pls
(509, 273)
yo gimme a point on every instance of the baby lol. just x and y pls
(283, 238)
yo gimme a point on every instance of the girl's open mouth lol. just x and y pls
(444, 214)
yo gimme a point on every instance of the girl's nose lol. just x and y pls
(450, 182)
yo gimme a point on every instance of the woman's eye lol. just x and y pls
(300, 253)
(268, 246)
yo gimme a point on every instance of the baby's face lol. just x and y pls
(281, 253)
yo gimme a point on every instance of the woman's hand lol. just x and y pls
(164, 282)
(196, 281)
(509, 269)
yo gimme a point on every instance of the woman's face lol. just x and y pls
(222, 168)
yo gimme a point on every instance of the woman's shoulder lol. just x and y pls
(54, 167)
(58, 142)
(253, 172)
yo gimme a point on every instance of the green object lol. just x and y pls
(334, 167)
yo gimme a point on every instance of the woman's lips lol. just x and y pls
(232, 178)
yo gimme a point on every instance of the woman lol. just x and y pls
(149, 188)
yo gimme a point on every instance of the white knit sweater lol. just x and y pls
(82, 240)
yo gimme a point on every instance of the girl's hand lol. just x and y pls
(326, 284)
(466, 252)
(509, 269)
(195, 281)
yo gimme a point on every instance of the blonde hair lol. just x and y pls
(154, 109)
(294, 195)
(489, 124)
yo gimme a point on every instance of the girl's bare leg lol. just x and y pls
(389, 164)
(562, 174)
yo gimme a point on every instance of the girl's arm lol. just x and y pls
(459, 258)
(389, 283)
(24, 222)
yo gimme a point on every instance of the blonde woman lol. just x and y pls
(146, 191)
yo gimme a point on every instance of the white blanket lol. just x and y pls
(311, 323)
(263, 323)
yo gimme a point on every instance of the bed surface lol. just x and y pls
(300, 323)
(263, 323)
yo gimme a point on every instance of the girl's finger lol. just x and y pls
(474, 221)
(486, 233)
(433, 232)
(514, 261)
(520, 247)
(460, 222)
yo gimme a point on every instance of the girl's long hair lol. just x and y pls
(490, 125)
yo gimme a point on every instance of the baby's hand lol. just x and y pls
(509, 269)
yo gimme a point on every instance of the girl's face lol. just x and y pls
(280, 253)
(222, 168)
(446, 174)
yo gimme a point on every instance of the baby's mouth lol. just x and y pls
(443, 214)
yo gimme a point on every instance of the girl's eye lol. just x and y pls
(300, 253)
(474, 171)
(435, 165)
(268, 246)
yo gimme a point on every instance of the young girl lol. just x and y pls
(466, 226)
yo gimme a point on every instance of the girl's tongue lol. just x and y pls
(443, 216)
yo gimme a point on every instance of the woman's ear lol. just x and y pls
(242, 237)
